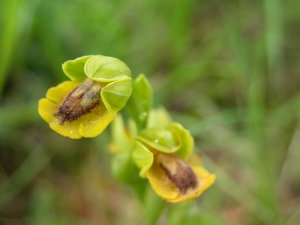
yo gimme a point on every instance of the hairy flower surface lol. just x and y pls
(84, 106)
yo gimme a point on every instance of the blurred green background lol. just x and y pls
(227, 70)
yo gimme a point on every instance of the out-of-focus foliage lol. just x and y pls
(227, 70)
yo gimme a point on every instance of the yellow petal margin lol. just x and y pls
(88, 125)
(164, 187)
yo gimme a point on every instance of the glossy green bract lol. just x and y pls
(140, 102)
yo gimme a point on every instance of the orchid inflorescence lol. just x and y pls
(152, 145)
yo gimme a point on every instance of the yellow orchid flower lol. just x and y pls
(84, 106)
(163, 156)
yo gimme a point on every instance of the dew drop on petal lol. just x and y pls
(143, 115)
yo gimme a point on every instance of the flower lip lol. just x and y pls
(87, 125)
(177, 180)
(182, 177)
(80, 101)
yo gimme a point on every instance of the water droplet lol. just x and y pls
(143, 115)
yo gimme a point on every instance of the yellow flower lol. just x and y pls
(83, 107)
(176, 180)
(62, 110)
(164, 158)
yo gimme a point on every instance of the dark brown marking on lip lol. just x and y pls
(80, 101)
(184, 177)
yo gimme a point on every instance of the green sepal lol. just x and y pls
(140, 102)
(106, 69)
(171, 139)
(115, 94)
(186, 141)
(160, 139)
(142, 157)
(74, 69)
(115, 75)
(158, 118)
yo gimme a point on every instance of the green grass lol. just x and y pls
(227, 70)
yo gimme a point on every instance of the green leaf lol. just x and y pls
(140, 102)
(142, 157)
(74, 69)
(106, 69)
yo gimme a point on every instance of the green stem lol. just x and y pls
(8, 37)
(274, 42)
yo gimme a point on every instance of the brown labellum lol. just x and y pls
(80, 101)
(180, 174)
